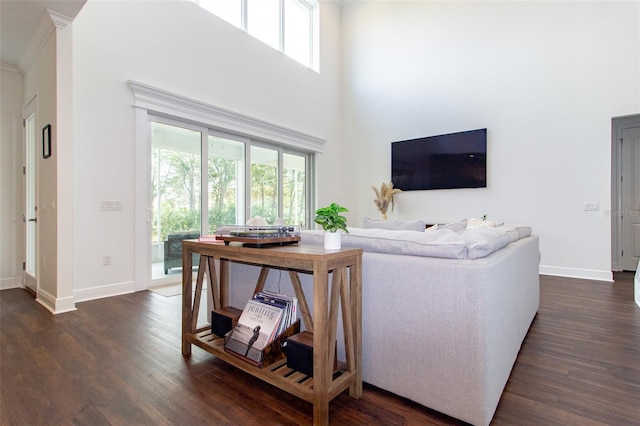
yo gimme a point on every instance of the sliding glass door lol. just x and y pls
(203, 178)
(186, 162)
(226, 181)
(176, 188)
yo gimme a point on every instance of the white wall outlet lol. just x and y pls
(591, 207)
(110, 206)
(106, 259)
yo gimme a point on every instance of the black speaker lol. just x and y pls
(300, 352)
(224, 320)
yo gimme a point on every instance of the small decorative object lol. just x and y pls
(385, 197)
(46, 141)
(332, 221)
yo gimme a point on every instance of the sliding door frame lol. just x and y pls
(150, 101)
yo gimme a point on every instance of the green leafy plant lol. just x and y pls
(330, 218)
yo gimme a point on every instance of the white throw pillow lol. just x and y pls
(479, 223)
(456, 227)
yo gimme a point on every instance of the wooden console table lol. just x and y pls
(344, 287)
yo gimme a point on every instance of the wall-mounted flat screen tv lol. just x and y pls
(454, 160)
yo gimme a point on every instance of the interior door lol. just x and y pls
(31, 208)
(630, 191)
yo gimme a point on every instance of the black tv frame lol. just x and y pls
(448, 161)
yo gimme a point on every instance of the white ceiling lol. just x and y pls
(19, 20)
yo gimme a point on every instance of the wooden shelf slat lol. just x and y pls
(276, 374)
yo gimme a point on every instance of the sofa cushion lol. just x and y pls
(442, 243)
(406, 225)
(471, 243)
(481, 242)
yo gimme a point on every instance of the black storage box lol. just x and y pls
(224, 319)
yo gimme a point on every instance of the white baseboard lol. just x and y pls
(55, 305)
(585, 274)
(93, 293)
(11, 282)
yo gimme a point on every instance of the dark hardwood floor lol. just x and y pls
(117, 361)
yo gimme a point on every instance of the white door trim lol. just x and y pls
(30, 163)
(618, 124)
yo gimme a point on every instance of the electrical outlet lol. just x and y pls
(110, 206)
(591, 207)
(106, 260)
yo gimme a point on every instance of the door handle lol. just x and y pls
(35, 219)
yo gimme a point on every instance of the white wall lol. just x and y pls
(545, 78)
(178, 47)
(11, 181)
(40, 84)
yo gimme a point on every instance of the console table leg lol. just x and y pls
(213, 282)
(355, 293)
(337, 284)
(195, 308)
(321, 369)
(302, 301)
(262, 279)
(321, 412)
(187, 312)
(224, 282)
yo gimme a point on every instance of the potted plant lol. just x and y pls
(332, 222)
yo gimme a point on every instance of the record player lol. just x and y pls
(258, 236)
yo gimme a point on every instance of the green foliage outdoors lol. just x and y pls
(176, 189)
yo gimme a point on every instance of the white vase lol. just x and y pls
(332, 240)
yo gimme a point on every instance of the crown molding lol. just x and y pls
(48, 24)
(58, 19)
(170, 104)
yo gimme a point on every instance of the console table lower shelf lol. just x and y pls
(276, 374)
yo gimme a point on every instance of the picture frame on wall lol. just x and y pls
(46, 141)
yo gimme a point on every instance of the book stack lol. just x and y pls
(265, 317)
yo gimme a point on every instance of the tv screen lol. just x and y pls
(454, 160)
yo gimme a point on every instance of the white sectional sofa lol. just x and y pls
(444, 311)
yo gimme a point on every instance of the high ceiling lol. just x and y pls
(19, 20)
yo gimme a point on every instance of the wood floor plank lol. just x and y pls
(118, 361)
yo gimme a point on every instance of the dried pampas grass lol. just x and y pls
(384, 197)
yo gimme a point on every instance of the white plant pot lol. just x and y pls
(332, 240)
